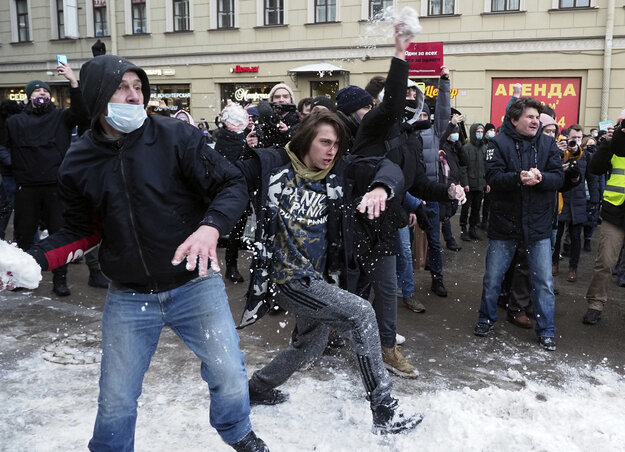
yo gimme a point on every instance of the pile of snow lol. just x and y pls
(17, 268)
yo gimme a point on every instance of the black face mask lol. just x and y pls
(410, 108)
(41, 104)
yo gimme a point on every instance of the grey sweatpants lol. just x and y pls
(318, 308)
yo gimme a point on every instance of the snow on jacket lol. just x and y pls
(350, 178)
(521, 212)
(38, 142)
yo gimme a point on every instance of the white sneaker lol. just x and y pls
(399, 339)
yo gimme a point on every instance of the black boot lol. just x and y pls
(464, 235)
(232, 273)
(59, 281)
(270, 397)
(439, 288)
(388, 418)
(97, 279)
(250, 443)
(474, 234)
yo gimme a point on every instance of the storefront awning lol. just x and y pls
(321, 68)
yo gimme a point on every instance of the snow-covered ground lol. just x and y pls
(48, 399)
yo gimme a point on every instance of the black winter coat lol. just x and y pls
(574, 209)
(520, 212)
(475, 152)
(146, 193)
(38, 142)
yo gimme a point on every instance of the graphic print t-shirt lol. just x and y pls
(300, 244)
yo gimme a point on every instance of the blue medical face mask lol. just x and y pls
(125, 118)
(479, 136)
(454, 137)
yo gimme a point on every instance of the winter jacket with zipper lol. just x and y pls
(146, 193)
(350, 178)
(431, 137)
(520, 212)
(475, 151)
(454, 155)
(38, 142)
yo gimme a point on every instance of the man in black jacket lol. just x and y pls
(524, 171)
(38, 139)
(157, 194)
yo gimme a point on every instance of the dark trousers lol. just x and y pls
(575, 231)
(517, 285)
(234, 239)
(474, 201)
(485, 208)
(34, 204)
(6, 207)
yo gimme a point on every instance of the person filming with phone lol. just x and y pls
(38, 139)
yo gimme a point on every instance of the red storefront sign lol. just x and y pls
(562, 94)
(240, 69)
(425, 59)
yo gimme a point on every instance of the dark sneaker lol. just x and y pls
(275, 310)
(438, 288)
(592, 316)
(464, 235)
(250, 443)
(270, 397)
(483, 329)
(548, 343)
(587, 245)
(389, 419)
(412, 304)
(453, 246)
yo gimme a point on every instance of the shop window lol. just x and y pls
(273, 12)
(377, 7)
(441, 7)
(100, 21)
(327, 88)
(504, 5)
(177, 97)
(325, 11)
(181, 15)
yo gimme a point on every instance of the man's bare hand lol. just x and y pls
(373, 203)
(199, 249)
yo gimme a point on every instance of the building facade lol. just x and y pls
(201, 53)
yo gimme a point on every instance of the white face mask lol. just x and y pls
(490, 133)
(454, 137)
(125, 118)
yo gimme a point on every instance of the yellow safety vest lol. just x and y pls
(614, 192)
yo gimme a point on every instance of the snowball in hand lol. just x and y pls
(18, 268)
(410, 22)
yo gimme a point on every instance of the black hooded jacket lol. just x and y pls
(38, 141)
(146, 192)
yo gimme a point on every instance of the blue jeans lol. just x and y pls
(498, 258)
(435, 252)
(405, 277)
(199, 314)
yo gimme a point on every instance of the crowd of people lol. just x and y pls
(339, 191)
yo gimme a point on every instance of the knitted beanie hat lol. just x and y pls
(324, 102)
(277, 87)
(352, 98)
(33, 85)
